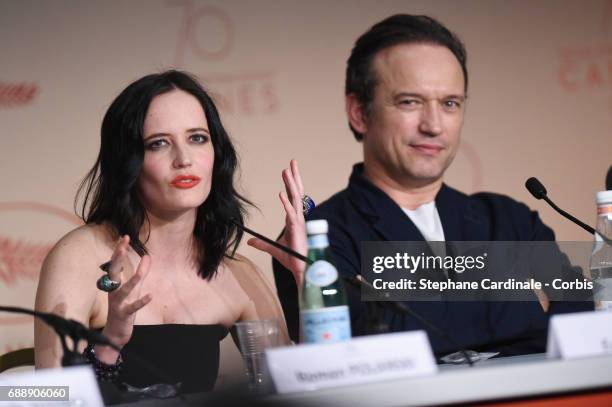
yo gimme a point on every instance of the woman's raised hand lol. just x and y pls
(294, 234)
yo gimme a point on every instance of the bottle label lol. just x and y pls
(321, 273)
(326, 325)
(604, 210)
(318, 241)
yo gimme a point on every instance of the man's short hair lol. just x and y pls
(397, 29)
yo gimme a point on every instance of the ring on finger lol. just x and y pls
(105, 284)
(307, 204)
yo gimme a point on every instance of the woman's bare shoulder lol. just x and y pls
(84, 245)
(250, 277)
(244, 268)
(239, 263)
(86, 235)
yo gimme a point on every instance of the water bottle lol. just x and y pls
(324, 311)
(601, 258)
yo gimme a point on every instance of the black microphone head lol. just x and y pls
(536, 188)
(609, 180)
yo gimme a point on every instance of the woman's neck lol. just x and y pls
(170, 240)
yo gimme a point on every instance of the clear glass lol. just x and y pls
(254, 337)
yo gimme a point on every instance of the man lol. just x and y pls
(406, 91)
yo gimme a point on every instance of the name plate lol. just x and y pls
(580, 334)
(364, 359)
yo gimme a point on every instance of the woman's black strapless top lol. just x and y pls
(184, 353)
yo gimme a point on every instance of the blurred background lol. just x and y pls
(540, 104)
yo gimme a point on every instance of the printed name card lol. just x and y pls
(361, 360)
(580, 334)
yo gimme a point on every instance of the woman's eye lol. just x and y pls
(200, 138)
(156, 144)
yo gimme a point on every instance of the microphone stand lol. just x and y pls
(71, 357)
(65, 328)
(272, 242)
(578, 222)
(403, 309)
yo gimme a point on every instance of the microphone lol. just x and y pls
(66, 327)
(535, 187)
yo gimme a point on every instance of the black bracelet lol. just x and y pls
(104, 372)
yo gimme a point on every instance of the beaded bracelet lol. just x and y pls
(104, 372)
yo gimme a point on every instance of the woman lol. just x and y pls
(160, 203)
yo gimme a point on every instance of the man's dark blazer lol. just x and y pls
(362, 212)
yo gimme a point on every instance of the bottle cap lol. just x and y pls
(316, 227)
(604, 198)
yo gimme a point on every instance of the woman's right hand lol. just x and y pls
(294, 233)
(124, 302)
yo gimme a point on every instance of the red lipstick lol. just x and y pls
(185, 181)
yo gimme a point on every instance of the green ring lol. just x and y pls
(105, 283)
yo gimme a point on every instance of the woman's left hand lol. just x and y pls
(294, 234)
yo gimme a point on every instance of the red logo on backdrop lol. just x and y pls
(20, 258)
(17, 94)
(23, 258)
(208, 35)
(588, 68)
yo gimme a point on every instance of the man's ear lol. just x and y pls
(356, 114)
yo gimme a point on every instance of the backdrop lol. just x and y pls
(540, 103)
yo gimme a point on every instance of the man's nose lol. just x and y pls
(431, 119)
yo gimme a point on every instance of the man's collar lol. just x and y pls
(454, 208)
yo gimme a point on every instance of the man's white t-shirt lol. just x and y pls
(427, 219)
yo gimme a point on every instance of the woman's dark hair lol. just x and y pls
(110, 193)
(398, 29)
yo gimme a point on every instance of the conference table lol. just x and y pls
(519, 380)
(494, 380)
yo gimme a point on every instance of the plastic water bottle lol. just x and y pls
(601, 258)
(324, 311)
